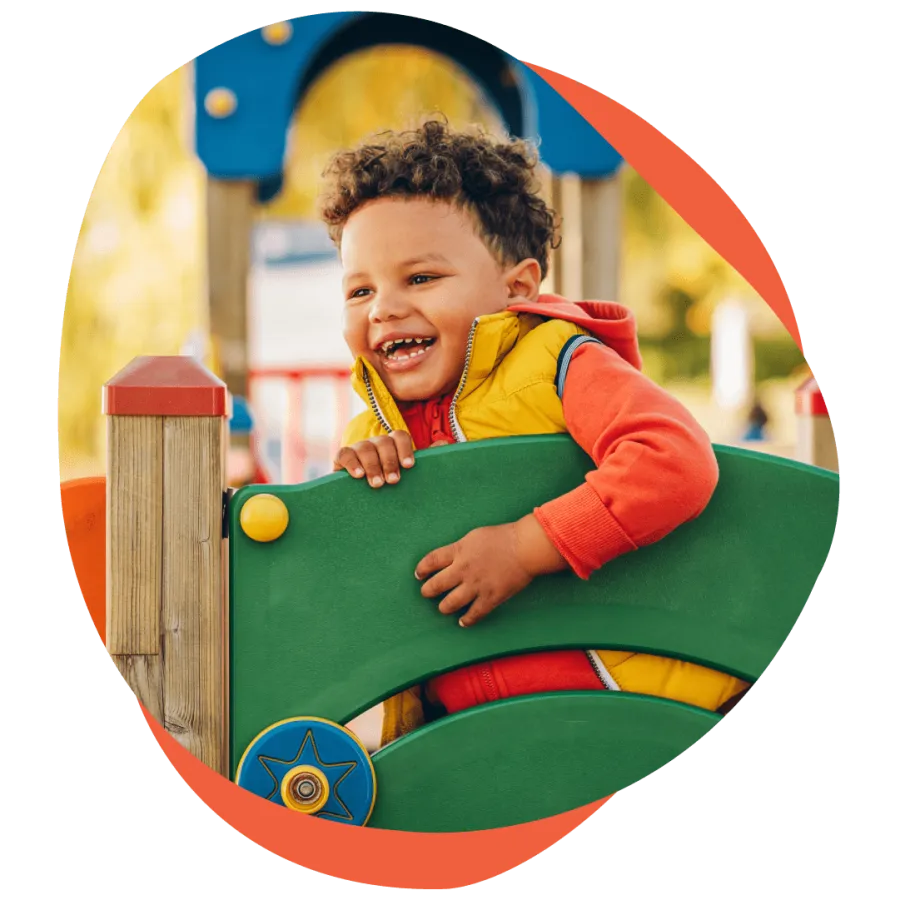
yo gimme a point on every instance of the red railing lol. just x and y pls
(298, 449)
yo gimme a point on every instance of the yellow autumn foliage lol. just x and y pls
(137, 283)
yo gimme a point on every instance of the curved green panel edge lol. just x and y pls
(328, 620)
(528, 758)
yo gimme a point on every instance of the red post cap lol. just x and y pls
(165, 386)
(808, 399)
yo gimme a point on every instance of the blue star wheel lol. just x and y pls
(312, 766)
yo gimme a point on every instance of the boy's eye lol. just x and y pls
(359, 292)
(422, 279)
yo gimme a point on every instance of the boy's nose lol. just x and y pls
(388, 305)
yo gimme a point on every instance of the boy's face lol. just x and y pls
(416, 275)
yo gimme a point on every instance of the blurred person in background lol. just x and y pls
(757, 420)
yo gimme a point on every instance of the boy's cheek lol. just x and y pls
(355, 328)
(356, 341)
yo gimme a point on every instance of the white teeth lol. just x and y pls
(387, 346)
(410, 354)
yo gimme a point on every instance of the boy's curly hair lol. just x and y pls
(495, 180)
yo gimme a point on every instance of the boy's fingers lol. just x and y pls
(404, 445)
(477, 611)
(435, 561)
(462, 595)
(347, 459)
(371, 462)
(390, 460)
(445, 580)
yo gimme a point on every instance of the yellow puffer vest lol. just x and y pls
(508, 388)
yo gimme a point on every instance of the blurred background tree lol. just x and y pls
(137, 282)
(674, 280)
(136, 279)
(382, 88)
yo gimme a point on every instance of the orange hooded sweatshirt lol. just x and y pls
(655, 470)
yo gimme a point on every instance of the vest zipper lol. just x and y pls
(455, 427)
(374, 403)
(458, 434)
(600, 671)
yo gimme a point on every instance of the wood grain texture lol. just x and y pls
(133, 522)
(143, 675)
(166, 625)
(193, 609)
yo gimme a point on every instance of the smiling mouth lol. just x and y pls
(403, 350)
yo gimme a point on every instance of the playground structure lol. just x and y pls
(253, 625)
(302, 407)
(247, 89)
(317, 625)
(298, 457)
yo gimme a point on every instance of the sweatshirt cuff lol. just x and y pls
(583, 530)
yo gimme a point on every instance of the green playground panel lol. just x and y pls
(528, 758)
(328, 619)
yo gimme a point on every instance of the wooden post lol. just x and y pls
(229, 218)
(165, 592)
(550, 194)
(601, 230)
(571, 251)
(815, 437)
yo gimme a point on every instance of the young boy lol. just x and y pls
(444, 242)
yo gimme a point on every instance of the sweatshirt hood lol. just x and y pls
(611, 323)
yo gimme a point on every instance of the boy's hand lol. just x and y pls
(487, 567)
(378, 459)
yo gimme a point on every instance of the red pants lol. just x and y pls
(513, 676)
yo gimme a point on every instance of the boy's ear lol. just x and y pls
(523, 281)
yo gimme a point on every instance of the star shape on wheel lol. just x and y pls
(308, 755)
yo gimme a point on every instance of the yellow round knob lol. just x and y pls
(277, 33)
(264, 517)
(220, 102)
(304, 789)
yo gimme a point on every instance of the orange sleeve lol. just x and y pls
(655, 465)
